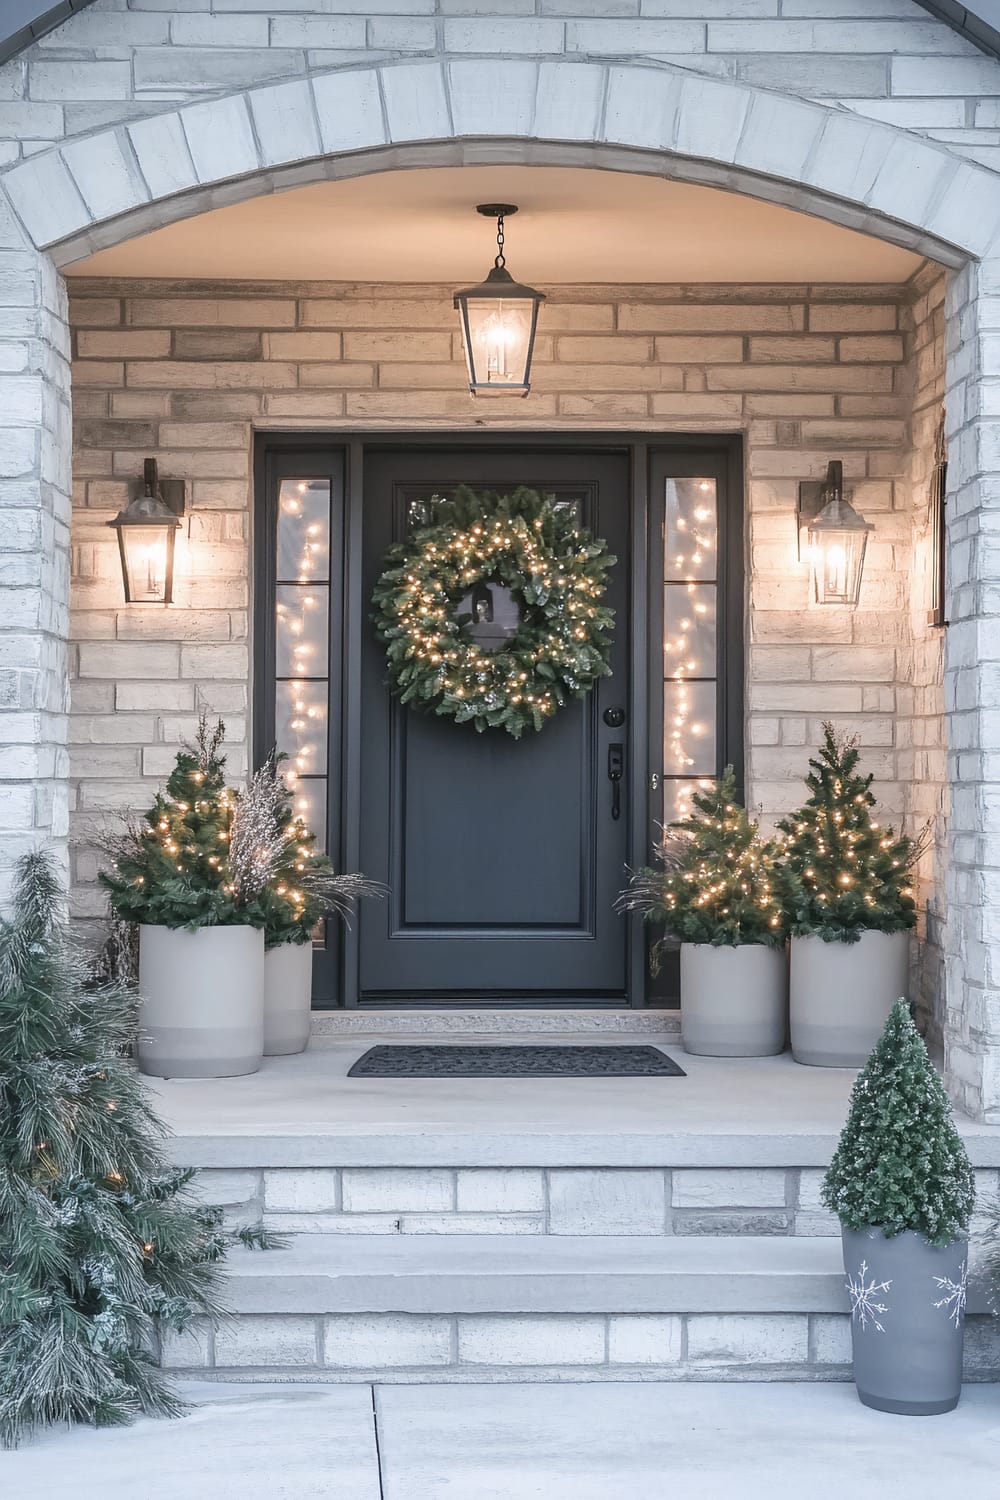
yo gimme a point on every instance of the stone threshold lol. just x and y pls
(575, 1021)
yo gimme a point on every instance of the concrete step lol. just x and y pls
(541, 1274)
(574, 1022)
(492, 1308)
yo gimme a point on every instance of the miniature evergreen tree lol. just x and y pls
(101, 1244)
(174, 869)
(842, 873)
(901, 1163)
(715, 877)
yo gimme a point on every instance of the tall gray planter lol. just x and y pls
(907, 1320)
(841, 995)
(202, 1012)
(734, 1001)
(288, 972)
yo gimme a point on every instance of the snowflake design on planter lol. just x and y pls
(954, 1293)
(864, 1294)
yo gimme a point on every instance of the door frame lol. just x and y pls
(348, 623)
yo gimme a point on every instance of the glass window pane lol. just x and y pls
(689, 728)
(690, 540)
(689, 630)
(677, 794)
(301, 642)
(300, 725)
(304, 530)
(309, 803)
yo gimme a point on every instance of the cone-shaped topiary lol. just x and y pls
(842, 872)
(101, 1243)
(901, 1163)
(715, 879)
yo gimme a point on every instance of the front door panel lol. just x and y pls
(502, 856)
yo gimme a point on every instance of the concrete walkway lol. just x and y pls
(571, 1442)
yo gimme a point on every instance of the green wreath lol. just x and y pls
(556, 572)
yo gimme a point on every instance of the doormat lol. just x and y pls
(414, 1061)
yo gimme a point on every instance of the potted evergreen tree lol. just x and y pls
(302, 888)
(903, 1189)
(102, 1244)
(845, 880)
(714, 891)
(190, 875)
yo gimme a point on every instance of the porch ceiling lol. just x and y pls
(575, 225)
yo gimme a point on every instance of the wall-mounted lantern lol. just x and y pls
(499, 317)
(837, 537)
(147, 530)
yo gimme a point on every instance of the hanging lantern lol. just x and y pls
(147, 530)
(838, 536)
(499, 317)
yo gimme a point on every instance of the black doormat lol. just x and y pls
(417, 1061)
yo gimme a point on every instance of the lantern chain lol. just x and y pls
(500, 258)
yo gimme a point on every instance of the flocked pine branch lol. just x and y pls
(103, 1245)
(259, 836)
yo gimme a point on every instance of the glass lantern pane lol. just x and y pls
(689, 728)
(691, 532)
(837, 560)
(689, 643)
(500, 334)
(301, 647)
(146, 552)
(304, 530)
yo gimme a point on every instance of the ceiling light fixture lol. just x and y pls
(499, 318)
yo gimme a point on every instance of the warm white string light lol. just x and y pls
(690, 553)
(298, 623)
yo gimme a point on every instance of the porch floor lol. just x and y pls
(301, 1111)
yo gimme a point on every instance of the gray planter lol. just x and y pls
(907, 1320)
(841, 995)
(288, 972)
(202, 1013)
(734, 1001)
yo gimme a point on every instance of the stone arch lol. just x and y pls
(98, 190)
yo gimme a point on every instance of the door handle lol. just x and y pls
(616, 769)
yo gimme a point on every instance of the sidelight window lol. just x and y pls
(301, 644)
(690, 652)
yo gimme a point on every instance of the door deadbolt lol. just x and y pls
(614, 717)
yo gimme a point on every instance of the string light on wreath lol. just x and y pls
(553, 569)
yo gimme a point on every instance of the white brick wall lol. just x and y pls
(344, 1347)
(921, 727)
(34, 567)
(972, 883)
(616, 1201)
(129, 60)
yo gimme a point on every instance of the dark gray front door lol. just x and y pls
(502, 856)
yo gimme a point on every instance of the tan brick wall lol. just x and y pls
(185, 372)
